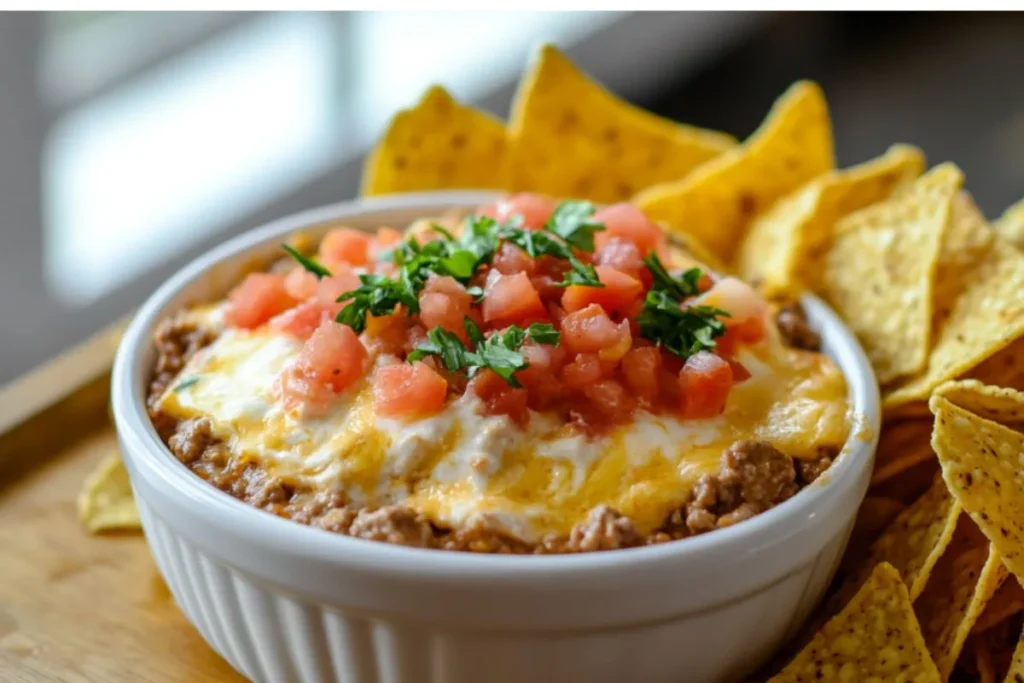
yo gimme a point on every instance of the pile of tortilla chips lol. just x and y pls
(930, 587)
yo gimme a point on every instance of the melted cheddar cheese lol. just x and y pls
(460, 467)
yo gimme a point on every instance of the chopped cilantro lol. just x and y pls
(678, 288)
(377, 295)
(499, 352)
(573, 221)
(310, 264)
(682, 330)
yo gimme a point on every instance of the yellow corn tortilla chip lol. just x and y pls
(965, 579)
(879, 275)
(438, 144)
(966, 242)
(981, 465)
(902, 445)
(1011, 224)
(912, 544)
(105, 501)
(1008, 601)
(570, 137)
(875, 638)
(718, 201)
(998, 404)
(783, 250)
(986, 318)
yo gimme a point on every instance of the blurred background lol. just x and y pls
(129, 142)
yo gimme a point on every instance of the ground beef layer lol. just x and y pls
(753, 476)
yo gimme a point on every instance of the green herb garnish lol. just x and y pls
(682, 330)
(310, 264)
(499, 352)
(570, 227)
(573, 222)
(679, 288)
(185, 384)
(377, 295)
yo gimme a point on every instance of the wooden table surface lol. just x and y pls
(77, 608)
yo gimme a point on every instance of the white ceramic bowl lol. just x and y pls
(283, 602)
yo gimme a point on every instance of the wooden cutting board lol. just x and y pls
(76, 608)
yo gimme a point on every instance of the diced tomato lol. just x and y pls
(328, 289)
(408, 390)
(300, 284)
(302, 320)
(346, 245)
(630, 223)
(383, 242)
(500, 397)
(640, 370)
(414, 336)
(610, 399)
(450, 287)
(739, 371)
(510, 260)
(584, 370)
(333, 355)
(257, 299)
(512, 299)
(541, 377)
(329, 362)
(556, 313)
(589, 330)
(534, 208)
(622, 255)
(619, 294)
(445, 303)
(704, 384)
(611, 355)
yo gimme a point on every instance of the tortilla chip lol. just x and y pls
(875, 638)
(1008, 601)
(912, 544)
(874, 515)
(569, 137)
(438, 144)
(105, 502)
(879, 275)
(782, 252)
(718, 201)
(986, 317)
(998, 404)
(966, 243)
(964, 580)
(981, 465)
(902, 445)
(1011, 225)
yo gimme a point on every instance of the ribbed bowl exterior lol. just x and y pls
(273, 636)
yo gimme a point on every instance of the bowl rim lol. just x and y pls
(146, 451)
